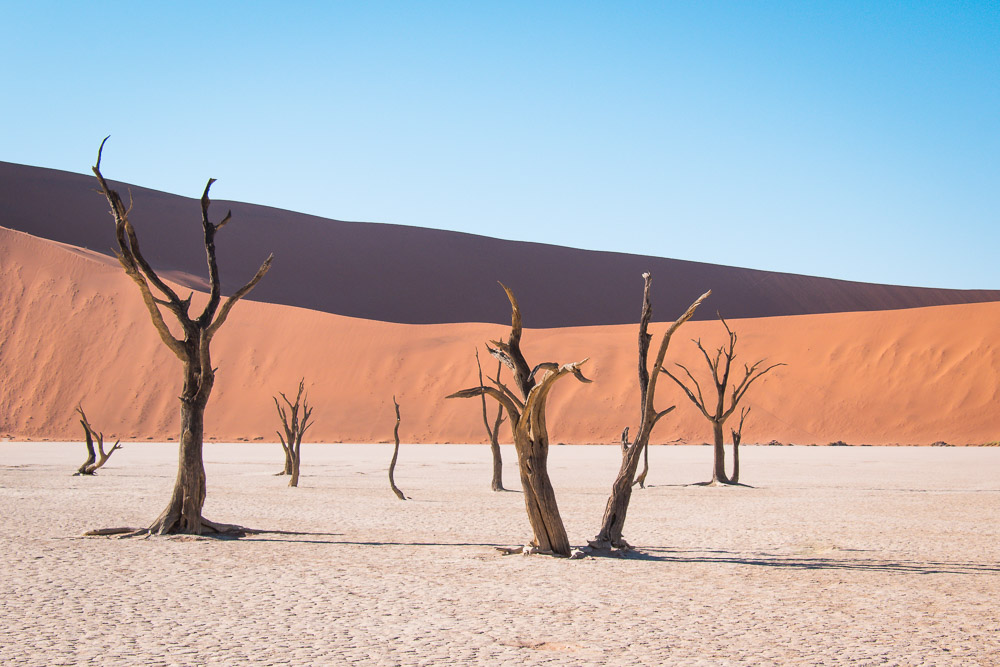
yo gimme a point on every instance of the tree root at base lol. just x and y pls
(210, 530)
(532, 550)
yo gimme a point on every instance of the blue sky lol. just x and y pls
(843, 139)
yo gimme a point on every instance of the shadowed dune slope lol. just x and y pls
(412, 275)
(75, 330)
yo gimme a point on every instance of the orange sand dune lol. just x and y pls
(74, 330)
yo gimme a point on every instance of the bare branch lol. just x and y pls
(506, 390)
(534, 406)
(544, 366)
(127, 257)
(486, 419)
(239, 294)
(750, 378)
(512, 348)
(508, 404)
(663, 413)
(738, 431)
(644, 339)
(700, 400)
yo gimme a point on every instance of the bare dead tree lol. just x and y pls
(717, 414)
(610, 535)
(493, 431)
(531, 439)
(93, 462)
(183, 512)
(395, 455)
(737, 438)
(294, 427)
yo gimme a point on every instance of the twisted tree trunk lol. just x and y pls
(395, 455)
(613, 522)
(531, 440)
(183, 513)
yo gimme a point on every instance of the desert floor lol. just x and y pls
(835, 555)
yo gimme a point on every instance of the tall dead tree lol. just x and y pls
(737, 438)
(395, 455)
(493, 431)
(294, 427)
(610, 535)
(183, 511)
(717, 413)
(93, 462)
(531, 439)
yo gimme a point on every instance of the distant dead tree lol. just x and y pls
(92, 463)
(183, 512)
(395, 455)
(294, 427)
(737, 438)
(531, 439)
(718, 413)
(610, 535)
(493, 431)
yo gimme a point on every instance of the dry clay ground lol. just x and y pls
(836, 556)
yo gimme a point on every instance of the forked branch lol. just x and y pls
(95, 459)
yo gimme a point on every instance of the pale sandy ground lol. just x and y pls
(836, 556)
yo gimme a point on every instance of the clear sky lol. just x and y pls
(856, 140)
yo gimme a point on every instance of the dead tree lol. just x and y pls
(718, 413)
(737, 438)
(94, 462)
(395, 454)
(531, 439)
(183, 511)
(610, 535)
(295, 428)
(493, 431)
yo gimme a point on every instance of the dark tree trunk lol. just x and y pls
(735, 478)
(527, 420)
(737, 439)
(616, 509)
(289, 462)
(183, 512)
(296, 462)
(540, 500)
(719, 475)
(610, 535)
(497, 483)
(395, 455)
(86, 468)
